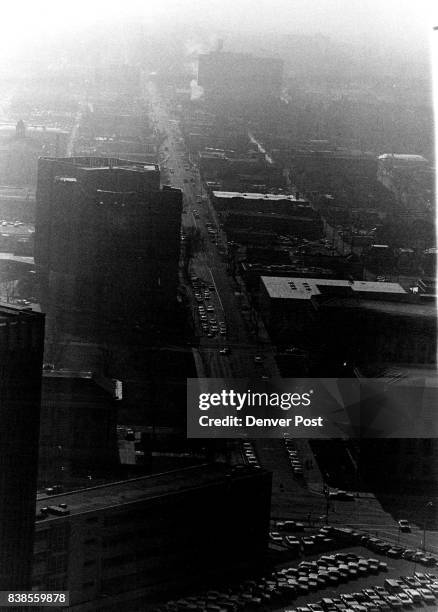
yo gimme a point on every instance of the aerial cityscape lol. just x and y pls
(224, 192)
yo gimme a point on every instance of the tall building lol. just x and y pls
(21, 354)
(240, 75)
(126, 544)
(107, 244)
(78, 433)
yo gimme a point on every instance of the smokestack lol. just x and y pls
(297, 195)
(220, 45)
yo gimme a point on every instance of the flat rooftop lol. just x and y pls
(273, 197)
(10, 314)
(283, 287)
(403, 157)
(7, 257)
(99, 163)
(16, 193)
(139, 489)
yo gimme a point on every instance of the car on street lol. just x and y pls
(225, 351)
(404, 526)
(341, 495)
(258, 359)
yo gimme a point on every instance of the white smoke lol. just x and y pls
(196, 91)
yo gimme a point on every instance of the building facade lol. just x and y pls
(107, 243)
(358, 322)
(21, 354)
(78, 433)
(142, 539)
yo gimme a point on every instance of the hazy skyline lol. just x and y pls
(400, 25)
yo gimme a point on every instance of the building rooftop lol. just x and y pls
(17, 193)
(98, 163)
(7, 257)
(138, 489)
(111, 386)
(10, 314)
(403, 157)
(306, 288)
(257, 196)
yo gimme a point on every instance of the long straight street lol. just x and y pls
(290, 497)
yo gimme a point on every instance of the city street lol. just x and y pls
(209, 265)
(291, 498)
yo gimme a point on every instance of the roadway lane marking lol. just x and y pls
(216, 289)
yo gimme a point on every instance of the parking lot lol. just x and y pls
(347, 580)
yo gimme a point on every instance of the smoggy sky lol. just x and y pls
(396, 24)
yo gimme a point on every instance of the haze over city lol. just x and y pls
(205, 200)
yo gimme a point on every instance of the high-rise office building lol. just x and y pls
(21, 354)
(107, 244)
(78, 433)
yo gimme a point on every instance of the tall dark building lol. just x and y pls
(240, 75)
(107, 244)
(78, 433)
(21, 354)
(130, 544)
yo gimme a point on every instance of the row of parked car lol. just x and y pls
(294, 459)
(307, 545)
(330, 537)
(250, 454)
(350, 536)
(405, 592)
(280, 586)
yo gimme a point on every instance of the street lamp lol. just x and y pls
(428, 505)
(326, 492)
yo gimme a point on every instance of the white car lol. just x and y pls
(275, 536)
(404, 526)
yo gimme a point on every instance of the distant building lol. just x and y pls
(411, 179)
(17, 203)
(125, 79)
(107, 242)
(134, 542)
(358, 322)
(239, 76)
(116, 128)
(229, 201)
(78, 432)
(248, 216)
(251, 273)
(20, 148)
(21, 354)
